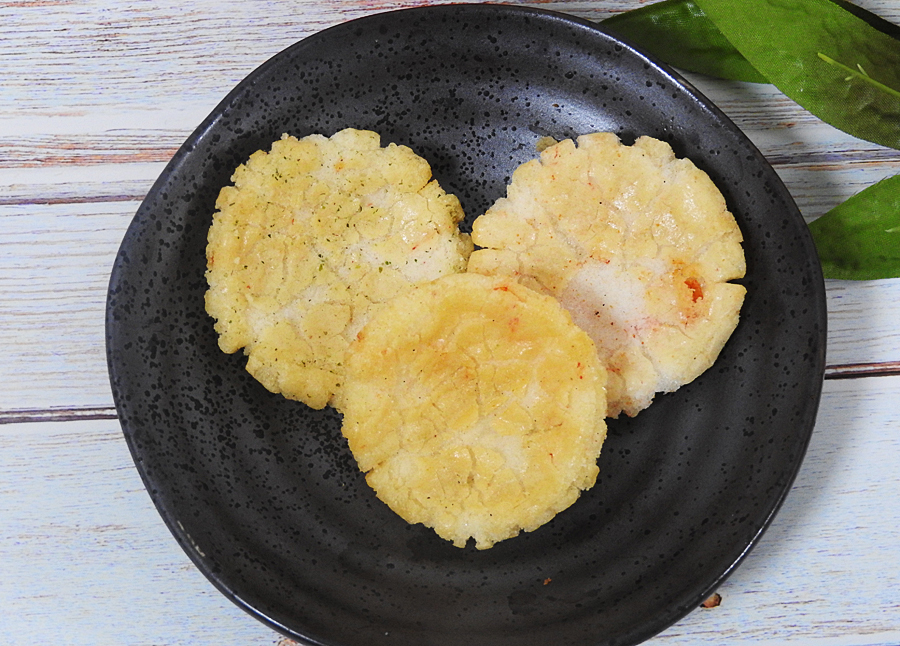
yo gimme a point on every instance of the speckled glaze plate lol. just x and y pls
(263, 494)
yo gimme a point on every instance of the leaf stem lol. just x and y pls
(860, 74)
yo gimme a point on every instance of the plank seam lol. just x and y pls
(857, 370)
(91, 199)
(57, 415)
(838, 371)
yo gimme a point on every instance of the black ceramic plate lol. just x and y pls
(262, 492)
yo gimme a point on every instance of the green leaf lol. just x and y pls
(860, 239)
(679, 33)
(791, 43)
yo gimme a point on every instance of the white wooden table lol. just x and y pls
(95, 97)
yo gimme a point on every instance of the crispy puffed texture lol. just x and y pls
(476, 407)
(312, 237)
(637, 244)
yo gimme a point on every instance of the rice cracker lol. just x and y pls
(637, 244)
(476, 407)
(312, 237)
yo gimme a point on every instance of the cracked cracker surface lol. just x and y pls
(313, 236)
(476, 407)
(637, 244)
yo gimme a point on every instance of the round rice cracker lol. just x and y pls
(637, 244)
(476, 407)
(314, 235)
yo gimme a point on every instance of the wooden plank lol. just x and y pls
(138, 54)
(100, 156)
(862, 321)
(69, 58)
(104, 155)
(825, 573)
(86, 555)
(87, 558)
(54, 271)
(820, 166)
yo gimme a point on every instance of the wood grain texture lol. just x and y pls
(87, 558)
(825, 572)
(54, 270)
(86, 555)
(96, 97)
